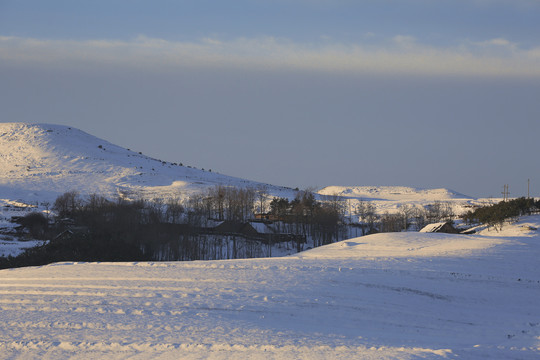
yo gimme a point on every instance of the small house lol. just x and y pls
(442, 227)
(236, 228)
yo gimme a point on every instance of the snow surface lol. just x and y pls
(391, 198)
(402, 193)
(384, 296)
(10, 246)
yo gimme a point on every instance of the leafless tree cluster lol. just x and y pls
(221, 203)
(95, 228)
(160, 229)
(391, 222)
(407, 217)
(198, 246)
(367, 214)
(322, 221)
(433, 213)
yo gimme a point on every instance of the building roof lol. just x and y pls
(439, 227)
(235, 227)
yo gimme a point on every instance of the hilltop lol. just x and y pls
(391, 198)
(41, 161)
(393, 193)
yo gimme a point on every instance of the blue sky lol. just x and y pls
(441, 21)
(297, 93)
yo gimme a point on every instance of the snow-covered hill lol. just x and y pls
(41, 161)
(384, 296)
(391, 198)
(393, 193)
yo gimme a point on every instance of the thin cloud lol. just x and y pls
(497, 43)
(404, 40)
(401, 54)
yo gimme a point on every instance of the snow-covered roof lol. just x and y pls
(430, 228)
(261, 228)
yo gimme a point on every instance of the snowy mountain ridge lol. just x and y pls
(395, 193)
(41, 161)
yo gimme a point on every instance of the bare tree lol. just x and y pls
(174, 210)
(67, 203)
(420, 215)
(406, 211)
(391, 222)
(197, 206)
(217, 194)
(371, 215)
(262, 195)
(361, 212)
(447, 211)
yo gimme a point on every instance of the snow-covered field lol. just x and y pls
(11, 246)
(385, 296)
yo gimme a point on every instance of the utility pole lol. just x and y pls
(528, 188)
(349, 210)
(505, 192)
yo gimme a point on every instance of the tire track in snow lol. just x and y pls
(124, 279)
(340, 351)
(117, 311)
(99, 287)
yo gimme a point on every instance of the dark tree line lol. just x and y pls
(320, 220)
(407, 217)
(495, 215)
(221, 203)
(95, 228)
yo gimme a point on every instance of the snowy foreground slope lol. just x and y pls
(385, 296)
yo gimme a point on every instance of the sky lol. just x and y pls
(301, 93)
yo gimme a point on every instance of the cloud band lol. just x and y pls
(401, 55)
